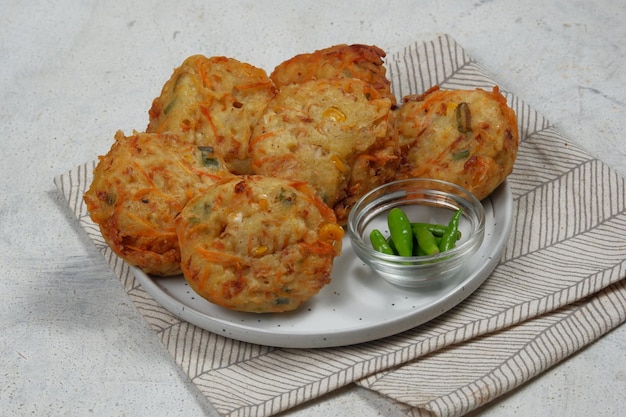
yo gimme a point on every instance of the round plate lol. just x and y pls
(357, 306)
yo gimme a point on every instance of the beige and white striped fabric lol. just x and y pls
(559, 285)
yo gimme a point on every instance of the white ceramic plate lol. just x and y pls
(357, 306)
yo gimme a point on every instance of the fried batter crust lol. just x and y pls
(364, 62)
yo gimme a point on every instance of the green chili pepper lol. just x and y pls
(401, 233)
(286, 197)
(281, 301)
(207, 156)
(111, 198)
(419, 251)
(448, 240)
(170, 106)
(463, 117)
(462, 154)
(379, 243)
(426, 240)
(436, 229)
(392, 246)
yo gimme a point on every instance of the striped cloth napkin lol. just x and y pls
(559, 285)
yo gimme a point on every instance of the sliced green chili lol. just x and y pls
(379, 243)
(416, 238)
(436, 229)
(286, 197)
(462, 154)
(111, 199)
(448, 240)
(463, 117)
(426, 240)
(207, 156)
(170, 106)
(419, 251)
(401, 232)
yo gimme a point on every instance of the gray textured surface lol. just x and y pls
(73, 73)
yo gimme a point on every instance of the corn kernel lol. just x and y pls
(338, 163)
(331, 232)
(451, 107)
(334, 114)
(259, 251)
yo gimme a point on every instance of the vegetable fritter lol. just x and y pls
(138, 188)
(467, 137)
(213, 102)
(258, 244)
(337, 134)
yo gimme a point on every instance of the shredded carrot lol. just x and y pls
(324, 210)
(319, 248)
(257, 139)
(202, 71)
(175, 159)
(221, 258)
(207, 115)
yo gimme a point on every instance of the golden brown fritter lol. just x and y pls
(213, 102)
(334, 133)
(364, 62)
(138, 188)
(258, 244)
(468, 137)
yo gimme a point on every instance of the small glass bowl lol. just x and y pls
(423, 200)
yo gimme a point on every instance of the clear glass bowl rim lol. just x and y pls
(356, 218)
